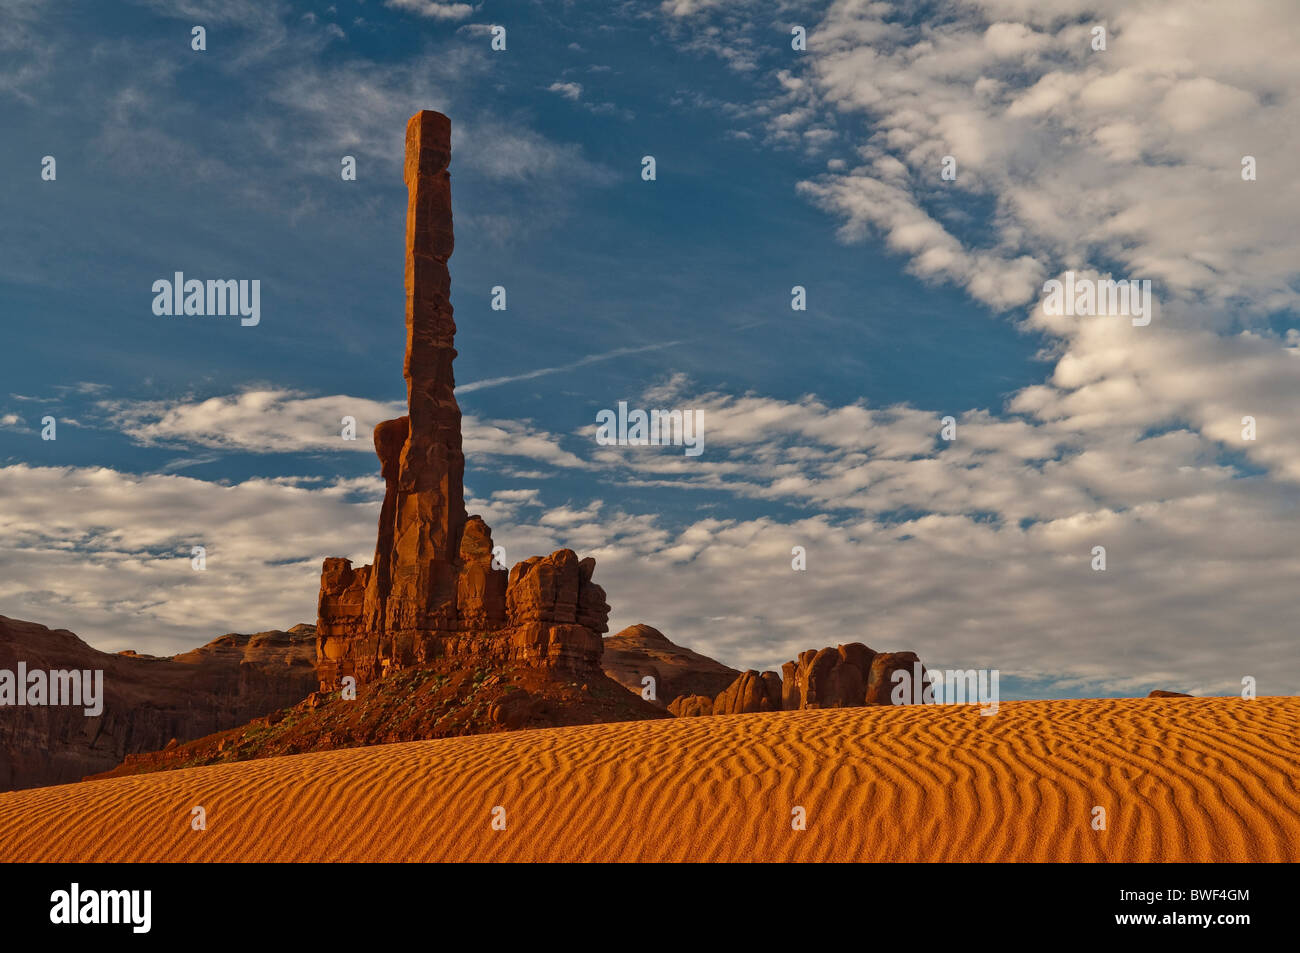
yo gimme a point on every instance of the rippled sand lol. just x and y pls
(1211, 779)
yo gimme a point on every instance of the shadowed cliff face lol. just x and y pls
(147, 701)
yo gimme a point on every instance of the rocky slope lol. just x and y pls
(147, 700)
(440, 700)
(641, 650)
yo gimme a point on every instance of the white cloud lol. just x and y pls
(432, 9)
(1125, 163)
(686, 8)
(568, 90)
(107, 554)
(26, 54)
(280, 421)
(1130, 155)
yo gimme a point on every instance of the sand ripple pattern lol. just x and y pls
(1210, 779)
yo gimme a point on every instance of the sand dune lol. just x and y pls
(1180, 779)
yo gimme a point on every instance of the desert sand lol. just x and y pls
(1193, 779)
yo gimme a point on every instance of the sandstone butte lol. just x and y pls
(690, 684)
(440, 641)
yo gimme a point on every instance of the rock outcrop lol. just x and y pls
(435, 589)
(752, 691)
(880, 682)
(846, 676)
(641, 650)
(148, 701)
(691, 706)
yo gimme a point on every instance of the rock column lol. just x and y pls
(428, 506)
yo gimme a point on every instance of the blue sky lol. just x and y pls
(774, 168)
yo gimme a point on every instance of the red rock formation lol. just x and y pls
(880, 682)
(466, 647)
(847, 676)
(691, 706)
(750, 692)
(1161, 693)
(148, 702)
(433, 591)
(641, 650)
(827, 678)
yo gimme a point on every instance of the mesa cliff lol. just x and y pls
(148, 701)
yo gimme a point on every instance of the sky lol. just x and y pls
(775, 167)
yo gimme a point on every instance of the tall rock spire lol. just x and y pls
(428, 502)
(435, 589)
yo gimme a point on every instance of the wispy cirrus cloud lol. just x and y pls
(561, 368)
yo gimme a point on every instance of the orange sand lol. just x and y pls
(1210, 779)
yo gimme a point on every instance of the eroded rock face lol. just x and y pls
(828, 678)
(148, 702)
(480, 587)
(846, 676)
(752, 691)
(434, 590)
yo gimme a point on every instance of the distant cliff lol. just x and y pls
(148, 701)
(641, 650)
